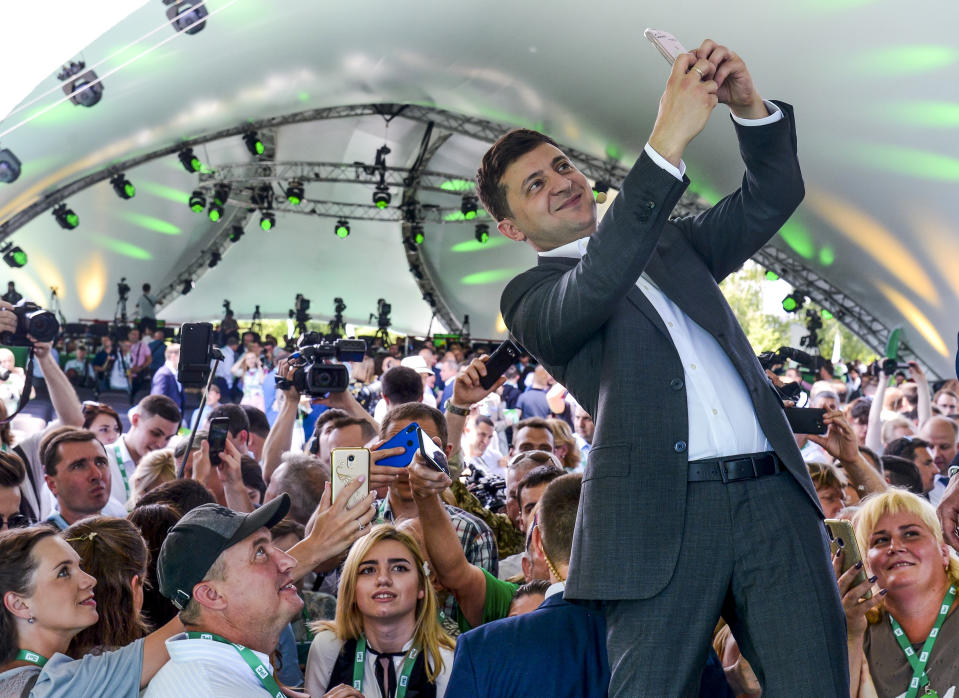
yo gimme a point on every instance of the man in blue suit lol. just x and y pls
(164, 380)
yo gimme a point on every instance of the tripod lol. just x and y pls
(54, 306)
(337, 327)
(120, 312)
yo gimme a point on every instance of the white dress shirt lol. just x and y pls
(206, 668)
(722, 419)
(118, 492)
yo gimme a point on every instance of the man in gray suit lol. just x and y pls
(702, 506)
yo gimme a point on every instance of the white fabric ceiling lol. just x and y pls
(872, 82)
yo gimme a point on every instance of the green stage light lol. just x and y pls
(254, 144)
(382, 196)
(67, 219)
(342, 228)
(789, 304)
(482, 233)
(418, 235)
(197, 201)
(295, 193)
(468, 206)
(236, 232)
(771, 275)
(826, 314)
(14, 256)
(122, 186)
(457, 185)
(267, 220)
(794, 302)
(191, 163)
(221, 194)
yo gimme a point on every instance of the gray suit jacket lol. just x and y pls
(598, 335)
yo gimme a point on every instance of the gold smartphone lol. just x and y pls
(348, 464)
(840, 528)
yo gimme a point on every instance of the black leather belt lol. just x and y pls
(732, 468)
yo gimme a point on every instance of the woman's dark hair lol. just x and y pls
(113, 551)
(92, 410)
(183, 495)
(16, 575)
(6, 435)
(12, 471)
(154, 522)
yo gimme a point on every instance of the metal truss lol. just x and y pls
(352, 211)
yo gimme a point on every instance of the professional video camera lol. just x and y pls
(315, 373)
(123, 288)
(226, 305)
(32, 320)
(770, 360)
(490, 490)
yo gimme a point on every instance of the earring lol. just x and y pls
(31, 620)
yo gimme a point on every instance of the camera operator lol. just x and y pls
(103, 363)
(146, 309)
(11, 296)
(79, 370)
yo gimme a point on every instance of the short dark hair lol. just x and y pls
(50, 445)
(146, 288)
(256, 417)
(415, 412)
(183, 495)
(905, 447)
(252, 475)
(503, 153)
(159, 406)
(154, 522)
(483, 419)
(901, 472)
(12, 470)
(859, 410)
(557, 515)
(402, 384)
(539, 475)
(237, 416)
(536, 586)
(92, 410)
(367, 430)
(532, 423)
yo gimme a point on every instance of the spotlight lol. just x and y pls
(197, 201)
(188, 286)
(342, 228)
(254, 144)
(771, 275)
(236, 232)
(482, 233)
(67, 219)
(267, 220)
(188, 16)
(221, 193)
(262, 196)
(294, 193)
(13, 256)
(468, 207)
(418, 235)
(84, 89)
(122, 186)
(215, 258)
(381, 196)
(600, 189)
(191, 163)
(794, 302)
(826, 315)
(9, 167)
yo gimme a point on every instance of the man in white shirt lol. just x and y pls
(235, 593)
(146, 309)
(478, 448)
(153, 422)
(942, 434)
(689, 436)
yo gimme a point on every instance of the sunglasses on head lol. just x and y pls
(541, 457)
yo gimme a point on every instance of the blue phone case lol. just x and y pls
(405, 439)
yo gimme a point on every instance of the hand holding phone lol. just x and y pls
(668, 45)
(432, 454)
(347, 465)
(219, 430)
(506, 355)
(806, 420)
(841, 530)
(406, 439)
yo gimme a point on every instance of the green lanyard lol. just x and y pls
(32, 657)
(123, 470)
(262, 673)
(919, 678)
(359, 668)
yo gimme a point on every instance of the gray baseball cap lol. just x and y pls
(196, 541)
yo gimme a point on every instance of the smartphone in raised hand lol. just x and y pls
(348, 464)
(506, 354)
(219, 430)
(840, 529)
(667, 44)
(406, 439)
(434, 456)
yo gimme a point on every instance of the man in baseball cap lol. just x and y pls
(235, 593)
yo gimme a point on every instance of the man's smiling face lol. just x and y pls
(550, 201)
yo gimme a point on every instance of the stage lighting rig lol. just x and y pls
(267, 220)
(83, 88)
(482, 233)
(13, 255)
(262, 196)
(794, 302)
(295, 193)
(67, 219)
(468, 206)
(187, 16)
(342, 228)
(382, 196)
(9, 166)
(418, 235)
(188, 286)
(122, 186)
(191, 163)
(197, 201)
(254, 144)
(215, 258)
(221, 193)
(236, 232)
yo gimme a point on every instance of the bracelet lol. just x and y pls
(953, 470)
(454, 409)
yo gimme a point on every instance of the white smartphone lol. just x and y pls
(667, 44)
(349, 464)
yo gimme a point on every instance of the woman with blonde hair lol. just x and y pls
(387, 634)
(564, 445)
(902, 639)
(252, 371)
(153, 470)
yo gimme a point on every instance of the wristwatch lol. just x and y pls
(454, 409)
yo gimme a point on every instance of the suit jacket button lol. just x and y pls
(676, 384)
(644, 210)
(679, 447)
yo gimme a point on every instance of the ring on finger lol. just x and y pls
(701, 73)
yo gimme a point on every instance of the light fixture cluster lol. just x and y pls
(81, 86)
(13, 255)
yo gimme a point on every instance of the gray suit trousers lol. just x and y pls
(755, 552)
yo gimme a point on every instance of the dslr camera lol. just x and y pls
(32, 320)
(315, 372)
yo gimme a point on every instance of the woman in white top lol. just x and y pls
(387, 626)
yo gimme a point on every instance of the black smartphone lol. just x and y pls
(432, 454)
(219, 429)
(505, 355)
(196, 341)
(806, 420)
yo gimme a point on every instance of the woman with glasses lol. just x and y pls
(12, 474)
(103, 421)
